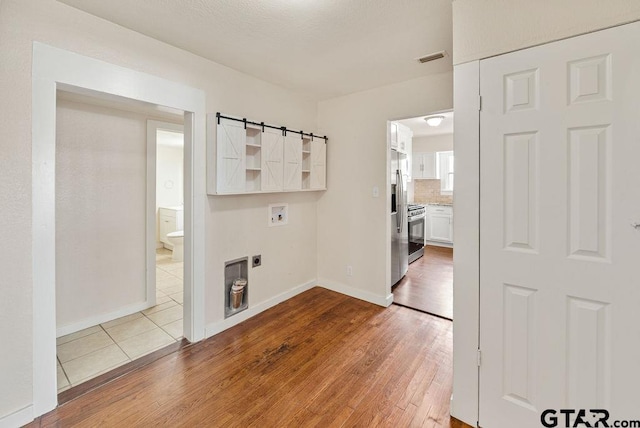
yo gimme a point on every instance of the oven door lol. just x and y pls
(416, 237)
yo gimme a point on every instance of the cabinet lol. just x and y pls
(439, 225)
(170, 219)
(424, 166)
(255, 159)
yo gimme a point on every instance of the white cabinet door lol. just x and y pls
(318, 164)
(231, 157)
(424, 165)
(441, 228)
(292, 162)
(559, 271)
(272, 168)
(429, 170)
(393, 135)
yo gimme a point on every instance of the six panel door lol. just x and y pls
(559, 257)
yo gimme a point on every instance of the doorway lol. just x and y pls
(55, 69)
(107, 308)
(428, 283)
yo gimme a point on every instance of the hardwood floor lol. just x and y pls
(319, 359)
(428, 286)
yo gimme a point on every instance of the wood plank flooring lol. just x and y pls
(428, 285)
(319, 359)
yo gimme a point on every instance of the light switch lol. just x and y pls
(376, 191)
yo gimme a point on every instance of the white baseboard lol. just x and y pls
(439, 244)
(18, 418)
(102, 318)
(217, 327)
(357, 293)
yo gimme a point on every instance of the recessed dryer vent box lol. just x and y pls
(278, 214)
(233, 270)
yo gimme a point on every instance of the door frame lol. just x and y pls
(466, 229)
(53, 69)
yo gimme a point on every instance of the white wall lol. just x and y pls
(169, 176)
(100, 211)
(484, 28)
(433, 143)
(352, 223)
(425, 144)
(236, 225)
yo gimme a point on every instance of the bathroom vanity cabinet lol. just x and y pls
(170, 219)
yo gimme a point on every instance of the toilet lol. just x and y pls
(177, 240)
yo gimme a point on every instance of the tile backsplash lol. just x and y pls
(428, 192)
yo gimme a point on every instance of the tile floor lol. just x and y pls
(91, 352)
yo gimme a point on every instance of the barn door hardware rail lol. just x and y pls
(263, 125)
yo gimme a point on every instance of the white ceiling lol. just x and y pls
(420, 128)
(321, 48)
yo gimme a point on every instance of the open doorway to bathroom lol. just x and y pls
(110, 311)
(427, 143)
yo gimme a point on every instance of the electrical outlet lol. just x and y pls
(349, 271)
(376, 191)
(256, 260)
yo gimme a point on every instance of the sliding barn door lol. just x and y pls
(272, 156)
(231, 164)
(560, 240)
(292, 162)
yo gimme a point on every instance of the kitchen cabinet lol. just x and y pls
(439, 225)
(250, 158)
(424, 166)
(170, 219)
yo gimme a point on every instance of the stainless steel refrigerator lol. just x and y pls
(399, 232)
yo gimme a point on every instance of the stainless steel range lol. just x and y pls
(416, 219)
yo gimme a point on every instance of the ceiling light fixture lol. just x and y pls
(434, 120)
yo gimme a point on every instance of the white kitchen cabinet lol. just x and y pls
(439, 225)
(253, 158)
(424, 166)
(170, 219)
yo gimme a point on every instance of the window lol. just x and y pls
(445, 167)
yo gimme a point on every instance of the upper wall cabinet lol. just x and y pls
(250, 158)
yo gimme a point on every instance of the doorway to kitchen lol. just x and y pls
(427, 142)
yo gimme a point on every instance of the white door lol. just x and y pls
(272, 156)
(231, 147)
(318, 163)
(560, 260)
(292, 162)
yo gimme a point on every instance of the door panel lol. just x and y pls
(318, 164)
(272, 159)
(292, 162)
(560, 292)
(231, 141)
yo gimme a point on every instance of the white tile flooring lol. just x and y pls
(91, 352)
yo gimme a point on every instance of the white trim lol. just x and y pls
(99, 319)
(152, 216)
(220, 326)
(18, 418)
(466, 229)
(56, 68)
(357, 293)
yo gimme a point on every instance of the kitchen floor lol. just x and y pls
(428, 285)
(89, 353)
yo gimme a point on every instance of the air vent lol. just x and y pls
(432, 57)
